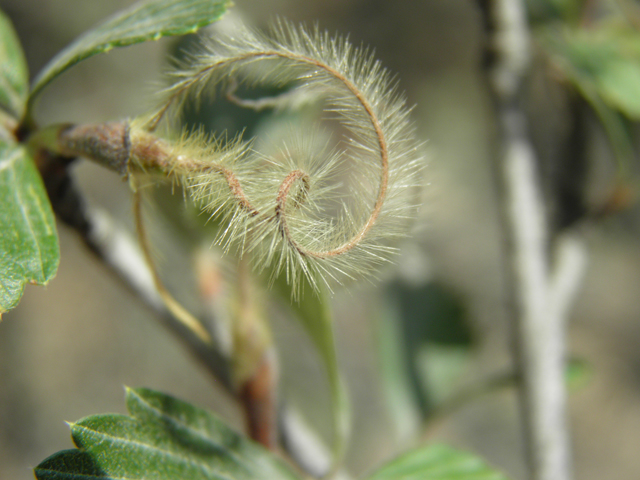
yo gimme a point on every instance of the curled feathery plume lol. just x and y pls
(291, 208)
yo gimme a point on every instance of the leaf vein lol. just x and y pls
(25, 214)
(9, 161)
(198, 433)
(201, 466)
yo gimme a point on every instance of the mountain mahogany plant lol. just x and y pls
(297, 217)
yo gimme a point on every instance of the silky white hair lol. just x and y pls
(287, 208)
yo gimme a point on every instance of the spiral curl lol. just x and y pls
(286, 207)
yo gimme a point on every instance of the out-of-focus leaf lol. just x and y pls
(28, 238)
(437, 462)
(619, 85)
(606, 59)
(549, 10)
(400, 390)
(578, 374)
(433, 313)
(313, 310)
(164, 439)
(598, 63)
(14, 76)
(440, 366)
(144, 21)
(432, 319)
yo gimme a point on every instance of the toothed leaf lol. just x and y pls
(437, 462)
(144, 21)
(164, 439)
(28, 242)
(14, 76)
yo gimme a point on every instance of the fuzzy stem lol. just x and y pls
(149, 151)
(106, 143)
(281, 201)
(113, 145)
(362, 100)
(110, 145)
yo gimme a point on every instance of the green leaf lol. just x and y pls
(437, 462)
(314, 312)
(440, 366)
(29, 242)
(596, 62)
(578, 374)
(619, 84)
(549, 10)
(144, 21)
(14, 76)
(609, 59)
(400, 387)
(164, 439)
(435, 339)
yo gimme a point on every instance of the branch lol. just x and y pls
(119, 252)
(539, 334)
(539, 300)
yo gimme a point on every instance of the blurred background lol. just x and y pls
(69, 348)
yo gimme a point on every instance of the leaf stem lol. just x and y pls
(179, 312)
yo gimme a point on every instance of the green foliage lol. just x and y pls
(433, 344)
(565, 10)
(165, 438)
(436, 462)
(608, 59)
(28, 243)
(600, 58)
(578, 374)
(14, 77)
(142, 22)
(313, 310)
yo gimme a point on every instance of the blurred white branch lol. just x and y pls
(541, 299)
(570, 265)
(539, 329)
